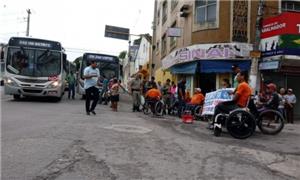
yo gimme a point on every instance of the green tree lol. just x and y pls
(122, 54)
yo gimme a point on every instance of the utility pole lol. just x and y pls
(254, 64)
(28, 21)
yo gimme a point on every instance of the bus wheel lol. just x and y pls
(17, 97)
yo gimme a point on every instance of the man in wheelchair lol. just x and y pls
(273, 101)
(152, 97)
(240, 98)
(197, 100)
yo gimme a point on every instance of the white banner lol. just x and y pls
(212, 99)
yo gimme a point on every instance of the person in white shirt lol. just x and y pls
(290, 103)
(91, 76)
(282, 102)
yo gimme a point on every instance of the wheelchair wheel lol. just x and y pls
(270, 122)
(159, 108)
(240, 124)
(197, 112)
(146, 109)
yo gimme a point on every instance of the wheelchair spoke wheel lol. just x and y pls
(240, 124)
(146, 109)
(270, 122)
(159, 108)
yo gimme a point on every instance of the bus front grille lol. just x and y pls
(32, 90)
(32, 80)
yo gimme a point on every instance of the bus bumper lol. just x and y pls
(13, 90)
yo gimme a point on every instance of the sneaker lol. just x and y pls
(210, 127)
(88, 113)
(93, 112)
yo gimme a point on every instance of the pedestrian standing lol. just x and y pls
(166, 94)
(236, 69)
(159, 86)
(104, 91)
(290, 104)
(136, 90)
(181, 87)
(114, 98)
(282, 102)
(71, 82)
(91, 76)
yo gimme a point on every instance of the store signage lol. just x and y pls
(207, 51)
(280, 45)
(285, 23)
(116, 32)
(269, 65)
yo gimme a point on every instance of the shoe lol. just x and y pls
(93, 112)
(88, 113)
(210, 127)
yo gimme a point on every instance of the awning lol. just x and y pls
(222, 66)
(187, 68)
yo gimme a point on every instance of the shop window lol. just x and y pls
(206, 11)
(290, 6)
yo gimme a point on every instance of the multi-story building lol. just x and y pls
(214, 36)
(140, 55)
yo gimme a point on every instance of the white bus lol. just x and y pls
(34, 67)
(108, 65)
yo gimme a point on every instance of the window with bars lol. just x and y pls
(206, 11)
(174, 4)
(173, 40)
(164, 44)
(164, 11)
(290, 6)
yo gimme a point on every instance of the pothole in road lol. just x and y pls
(129, 128)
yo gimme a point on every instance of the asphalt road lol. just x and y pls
(48, 140)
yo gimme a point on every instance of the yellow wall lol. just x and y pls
(162, 75)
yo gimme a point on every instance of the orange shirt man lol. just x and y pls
(153, 94)
(197, 98)
(243, 91)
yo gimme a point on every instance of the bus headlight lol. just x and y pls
(54, 84)
(11, 82)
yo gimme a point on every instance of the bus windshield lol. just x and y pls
(107, 69)
(33, 62)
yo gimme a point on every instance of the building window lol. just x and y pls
(158, 16)
(173, 40)
(206, 11)
(164, 44)
(240, 21)
(157, 46)
(164, 11)
(290, 5)
(173, 4)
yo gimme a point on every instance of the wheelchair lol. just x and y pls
(195, 110)
(241, 122)
(154, 106)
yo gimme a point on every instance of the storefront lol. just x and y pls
(206, 65)
(280, 47)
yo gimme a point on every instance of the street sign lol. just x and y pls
(255, 54)
(116, 32)
(174, 32)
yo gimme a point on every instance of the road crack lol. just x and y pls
(79, 160)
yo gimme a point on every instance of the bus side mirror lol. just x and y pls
(64, 57)
(2, 55)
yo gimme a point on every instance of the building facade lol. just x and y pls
(214, 36)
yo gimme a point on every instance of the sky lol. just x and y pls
(78, 24)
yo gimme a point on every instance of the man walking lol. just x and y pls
(71, 82)
(91, 76)
(136, 88)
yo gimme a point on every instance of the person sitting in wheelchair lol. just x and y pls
(152, 97)
(196, 100)
(240, 98)
(273, 100)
